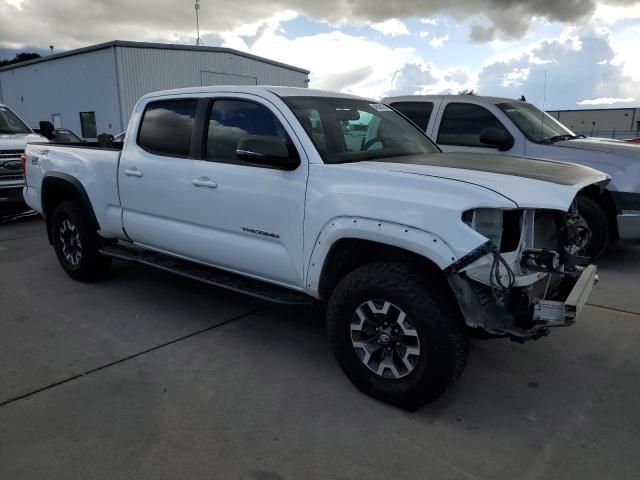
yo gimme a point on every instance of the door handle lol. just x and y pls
(204, 182)
(133, 172)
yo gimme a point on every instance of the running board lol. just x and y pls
(210, 275)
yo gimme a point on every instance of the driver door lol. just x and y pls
(460, 125)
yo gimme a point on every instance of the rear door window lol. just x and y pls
(418, 112)
(167, 127)
(462, 124)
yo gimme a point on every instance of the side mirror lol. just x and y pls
(267, 151)
(497, 137)
(105, 140)
(47, 129)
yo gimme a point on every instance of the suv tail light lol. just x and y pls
(23, 161)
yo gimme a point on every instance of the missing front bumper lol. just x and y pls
(530, 311)
(553, 313)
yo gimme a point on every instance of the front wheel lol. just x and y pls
(396, 334)
(76, 244)
(590, 230)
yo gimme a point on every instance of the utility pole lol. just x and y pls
(198, 39)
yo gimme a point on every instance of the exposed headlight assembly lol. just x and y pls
(502, 227)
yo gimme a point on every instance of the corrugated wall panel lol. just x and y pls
(216, 78)
(144, 70)
(66, 86)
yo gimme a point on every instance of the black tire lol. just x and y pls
(596, 218)
(443, 341)
(71, 226)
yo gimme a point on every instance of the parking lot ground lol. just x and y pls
(147, 375)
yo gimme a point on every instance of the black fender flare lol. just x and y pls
(58, 180)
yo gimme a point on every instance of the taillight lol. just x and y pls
(23, 161)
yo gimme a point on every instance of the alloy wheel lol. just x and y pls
(70, 241)
(385, 339)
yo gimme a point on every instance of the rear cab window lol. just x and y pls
(418, 112)
(167, 127)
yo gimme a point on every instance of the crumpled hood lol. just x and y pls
(19, 141)
(527, 182)
(607, 145)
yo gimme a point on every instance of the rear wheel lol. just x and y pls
(590, 230)
(76, 244)
(396, 334)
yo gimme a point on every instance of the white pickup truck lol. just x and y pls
(14, 135)
(472, 123)
(274, 192)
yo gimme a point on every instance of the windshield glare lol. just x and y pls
(10, 123)
(535, 124)
(350, 130)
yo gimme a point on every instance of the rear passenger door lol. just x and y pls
(251, 215)
(459, 125)
(155, 177)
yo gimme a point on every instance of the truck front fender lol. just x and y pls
(426, 244)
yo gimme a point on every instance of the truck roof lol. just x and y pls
(279, 91)
(462, 98)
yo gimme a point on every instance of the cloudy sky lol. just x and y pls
(589, 51)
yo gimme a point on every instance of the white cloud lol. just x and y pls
(606, 101)
(337, 61)
(392, 27)
(612, 14)
(516, 77)
(438, 42)
(421, 78)
(577, 67)
(41, 22)
(428, 21)
(625, 45)
(424, 34)
(17, 4)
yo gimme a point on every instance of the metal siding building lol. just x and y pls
(601, 122)
(109, 78)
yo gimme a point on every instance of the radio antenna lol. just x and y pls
(544, 102)
(198, 39)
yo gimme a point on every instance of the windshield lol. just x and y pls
(349, 130)
(10, 123)
(536, 125)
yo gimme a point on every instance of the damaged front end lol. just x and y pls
(528, 276)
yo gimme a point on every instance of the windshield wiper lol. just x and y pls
(558, 138)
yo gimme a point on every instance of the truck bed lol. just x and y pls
(93, 167)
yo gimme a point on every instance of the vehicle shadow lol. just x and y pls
(12, 216)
